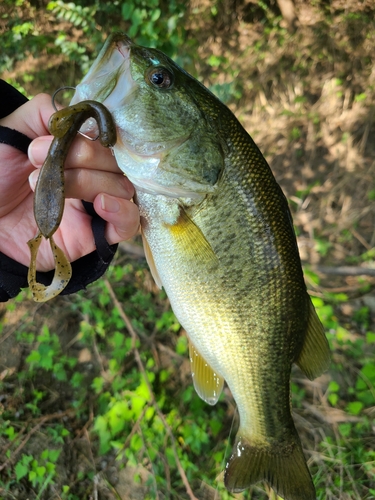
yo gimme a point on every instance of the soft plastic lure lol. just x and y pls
(49, 195)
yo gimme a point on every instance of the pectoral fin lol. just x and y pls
(207, 383)
(189, 237)
(315, 357)
(150, 261)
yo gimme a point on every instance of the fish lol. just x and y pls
(49, 196)
(219, 238)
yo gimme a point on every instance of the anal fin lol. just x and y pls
(207, 382)
(315, 358)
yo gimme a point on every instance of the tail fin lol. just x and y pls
(281, 465)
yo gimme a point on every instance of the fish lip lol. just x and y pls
(123, 46)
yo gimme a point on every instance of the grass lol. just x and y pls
(106, 389)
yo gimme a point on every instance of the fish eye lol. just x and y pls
(161, 78)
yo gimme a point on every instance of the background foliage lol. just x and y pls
(96, 399)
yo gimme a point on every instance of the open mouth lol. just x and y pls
(111, 69)
(109, 79)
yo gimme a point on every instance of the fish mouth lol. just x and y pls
(110, 70)
(109, 79)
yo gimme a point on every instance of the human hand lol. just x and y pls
(91, 175)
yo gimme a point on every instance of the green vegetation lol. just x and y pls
(96, 398)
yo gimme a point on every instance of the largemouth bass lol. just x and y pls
(219, 238)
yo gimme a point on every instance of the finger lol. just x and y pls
(38, 150)
(82, 154)
(84, 184)
(91, 154)
(122, 217)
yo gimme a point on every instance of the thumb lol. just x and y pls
(32, 117)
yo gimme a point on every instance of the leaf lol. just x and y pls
(182, 345)
(333, 398)
(155, 15)
(32, 477)
(136, 443)
(118, 415)
(137, 17)
(54, 455)
(138, 403)
(21, 470)
(33, 357)
(360, 97)
(368, 372)
(10, 433)
(41, 470)
(215, 426)
(354, 408)
(101, 428)
(370, 338)
(143, 390)
(150, 412)
(345, 429)
(333, 386)
(127, 10)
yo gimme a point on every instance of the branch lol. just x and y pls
(345, 270)
(289, 14)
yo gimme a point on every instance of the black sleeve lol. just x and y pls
(13, 275)
(10, 99)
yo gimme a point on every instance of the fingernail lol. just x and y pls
(109, 204)
(33, 177)
(38, 150)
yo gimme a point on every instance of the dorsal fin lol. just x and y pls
(207, 382)
(315, 358)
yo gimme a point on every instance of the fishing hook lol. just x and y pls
(55, 108)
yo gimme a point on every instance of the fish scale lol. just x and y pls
(219, 238)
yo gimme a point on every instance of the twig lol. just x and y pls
(138, 360)
(360, 238)
(152, 467)
(96, 482)
(23, 443)
(97, 354)
(84, 428)
(345, 270)
(53, 416)
(90, 448)
(332, 416)
(9, 333)
(6, 447)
